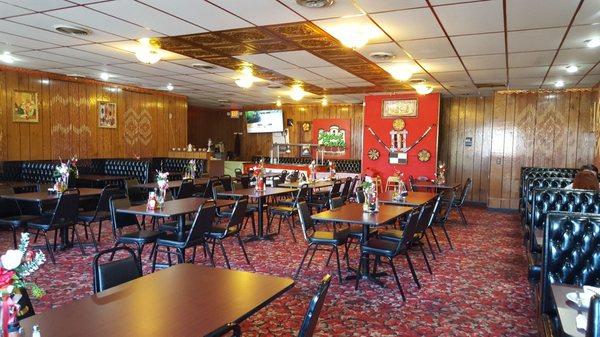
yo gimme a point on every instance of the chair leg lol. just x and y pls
(48, 247)
(253, 225)
(169, 256)
(239, 238)
(311, 257)
(224, 254)
(435, 239)
(14, 235)
(425, 257)
(152, 251)
(429, 244)
(329, 258)
(291, 229)
(93, 239)
(397, 280)
(37, 233)
(447, 236)
(99, 231)
(358, 274)
(302, 262)
(412, 270)
(194, 254)
(337, 259)
(79, 240)
(279, 224)
(153, 255)
(462, 215)
(207, 252)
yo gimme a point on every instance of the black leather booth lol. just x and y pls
(175, 167)
(541, 172)
(540, 183)
(342, 165)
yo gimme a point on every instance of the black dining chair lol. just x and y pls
(320, 201)
(138, 236)
(225, 213)
(345, 193)
(115, 272)
(238, 172)
(208, 188)
(459, 203)
(186, 189)
(179, 241)
(446, 201)
(316, 239)
(412, 181)
(309, 323)
(62, 219)
(593, 321)
(135, 193)
(216, 234)
(355, 232)
(245, 181)
(389, 249)
(352, 191)
(99, 215)
(14, 218)
(227, 182)
(360, 195)
(287, 212)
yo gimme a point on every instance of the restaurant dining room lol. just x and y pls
(188, 168)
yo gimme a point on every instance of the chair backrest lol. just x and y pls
(426, 217)
(238, 213)
(346, 188)
(133, 191)
(446, 201)
(593, 323)
(67, 208)
(120, 220)
(353, 185)
(245, 181)
(301, 195)
(238, 172)
(202, 222)
(104, 200)
(208, 188)
(113, 273)
(410, 230)
(217, 188)
(305, 220)
(335, 189)
(227, 182)
(360, 195)
(294, 176)
(336, 202)
(186, 190)
(314, 309)
(570, 252)
(465, 190)
(411, 180)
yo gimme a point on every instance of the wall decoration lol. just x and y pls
(138, 127)
(334, 135)
(306, 126)
(107, 115)
(399, 108)
(25, 107)
(373, 154)
(424, 155)
(399, 124)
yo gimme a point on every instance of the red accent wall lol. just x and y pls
(428, 113)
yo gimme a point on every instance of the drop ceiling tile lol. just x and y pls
(45, 55)
(588, 13)
(527, 14)
(481, 62)
(214, 78)
(80, 54)
(595, 70)
(531, 59)
(341, 27)
(579, 34)
(332, 72)
(200, 13)
(301, 58)
(339, 9)
(472, 18)
(452, 76)
(590, 80)
(133, 46)
(120, 71)
(108, 51)
(301, 74)
(429, 48)
(187, 79)
(254, 11)
(7, 10)
(577, 56)
(147, 17)
(48, 22)
(12, 28)
(390, 47)
(570, 81)
(527, 72)
(327, 84)
(35, 63)
(24, 42)
(489, 76)
(103, 22)
(409, 24)
(40, 5)
(480, 44)
(144, 68)
(373, 6)
(445, 2)
(267, 61)
(559, 70)
(441, 64)
(535, 40)
(10, 48)
(516, 83)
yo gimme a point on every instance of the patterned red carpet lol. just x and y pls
(478, 289)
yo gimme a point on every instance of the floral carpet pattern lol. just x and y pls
(478, 289)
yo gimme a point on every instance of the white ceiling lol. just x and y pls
(455, 44)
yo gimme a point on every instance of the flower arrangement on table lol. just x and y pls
(162, 180)
(371, 204)
(63, 172)
(332, 170)
(17, 265)
(440, 175)
(190, 169)
(400, 189)
(312, 171)
(259, 173)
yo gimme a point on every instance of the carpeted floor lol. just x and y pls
(478, 289)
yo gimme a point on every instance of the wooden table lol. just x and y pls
(174, 208)
(312, 184)
(262, 199)
(44, 196)
(173, 184)
(567, 310)
(353, 213)
(101, 180)
(18, 185)
(413, 199)
(184, 300)
(431, 186)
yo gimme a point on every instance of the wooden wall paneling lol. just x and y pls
(477, 135)
(498, 130)
(507, 159)
(4, 112)
(518, 145)
(486, 151)
(12, 131)
(23, 84)
(589, 138)
(468, 153)
(573, 128)
(35, 129)
(559, 155)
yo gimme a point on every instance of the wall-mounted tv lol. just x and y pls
(263, 121)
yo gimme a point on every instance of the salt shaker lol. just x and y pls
(36, 331)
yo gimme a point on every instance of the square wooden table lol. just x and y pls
(44, 196)
(567, 310)
(184, 300)
(413, 199)
(261, 197)
(173, 184)
(353, 213)
(311, 184)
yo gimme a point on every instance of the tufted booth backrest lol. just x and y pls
(38, 172)
(571, 253)
(11, 170)
(179, 165)
(342, 165)
(540, 183)
(128, 168)
(538, 172)
(547, 200)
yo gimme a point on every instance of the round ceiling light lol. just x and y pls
(297, 93)
(315, 3)
(6, 57)
(402, 71)
(571, 68)
(422, 88)
(559, 83)
(382, 56)
(72, 30)
(104, 76)
(148, 51)
(592, 43)
(170, 87)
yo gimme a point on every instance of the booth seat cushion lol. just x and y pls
(128, 168)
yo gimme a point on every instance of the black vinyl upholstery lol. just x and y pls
(540, 183)
(342, 165)
(541, 172)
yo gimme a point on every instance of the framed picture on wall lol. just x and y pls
(107, 115)
(395, 108)
(25, 108)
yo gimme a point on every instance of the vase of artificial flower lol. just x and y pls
(259, 175)
(312, 171)
(63, 172)
(162, 180)
(371, 203)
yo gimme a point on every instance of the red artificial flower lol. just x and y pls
(29, 256)
(6, 277)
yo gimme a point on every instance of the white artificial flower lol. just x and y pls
(11, 259)
(368, 179)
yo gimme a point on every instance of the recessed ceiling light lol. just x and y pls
(297, 92)
(559, 83)
(315, 3)
(72, 30)
(571, 68)
(274, 86)
(104, 76)
(278, 102)
(593, 42)
(223, 100)
(382, 56)
(170, 86)
(203, 66)
(6, 57)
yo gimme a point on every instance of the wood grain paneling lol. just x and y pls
(222, 127)
(149, 122)
(512, 130)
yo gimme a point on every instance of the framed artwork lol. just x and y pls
(399, 108)
(107, 115)
(26, 107)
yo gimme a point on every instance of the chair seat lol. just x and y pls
(380, 247)
(17, 220)
(142, 236)
(90, 216)
(326, 237)
(175, 240)
(392, 234)
(286, 202)
(42, 223)
(356, 231)
(282, 209)
(218, 232)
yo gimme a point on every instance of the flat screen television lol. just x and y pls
(263, 121)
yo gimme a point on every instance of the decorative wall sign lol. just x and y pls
(399, 124)
(138, 127)
(107, 115)
(306, 126)
(398, 158)
(25, 107)
(424, 155)
(399, 108)
(373, 154)
(334, 136)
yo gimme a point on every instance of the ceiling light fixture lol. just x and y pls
(571, 68)
(297, 93)
(324, 101)
(278, 102)
(170, 87)
(559, 83)
(246, 79)
(104, 76)
(422, 88)
(382, 56)
(355, 36)
(315, 3)
(6, 57)
(148, 51)
(402, 71)
(593, 42)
